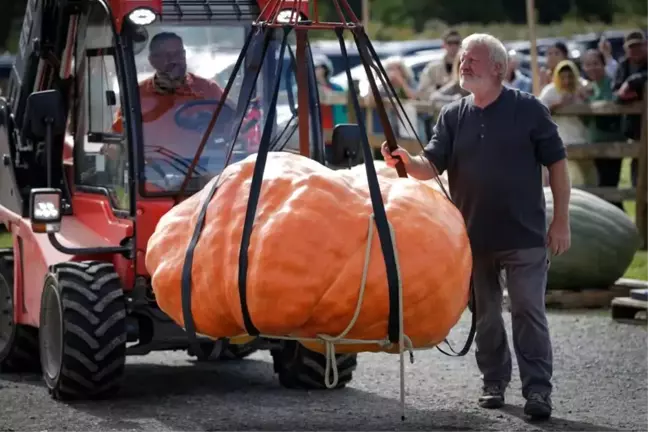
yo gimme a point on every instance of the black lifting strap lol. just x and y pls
(255, 192)
(364, 45)
(185, 290)
(473, 327)
(386, 83)
(382, 225)
(248, 86)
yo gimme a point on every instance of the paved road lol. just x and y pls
(600, 385)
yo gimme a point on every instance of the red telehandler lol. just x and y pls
(80, 198)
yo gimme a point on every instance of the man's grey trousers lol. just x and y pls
(526, 279)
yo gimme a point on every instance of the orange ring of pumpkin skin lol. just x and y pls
(307, 253)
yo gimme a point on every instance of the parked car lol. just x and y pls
(524, 46)
(524, 63)
(331, 48)
(409, 47)
(416, 62)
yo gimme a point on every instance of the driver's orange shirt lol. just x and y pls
(158, 110)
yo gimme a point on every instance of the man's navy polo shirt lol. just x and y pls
(493, 157)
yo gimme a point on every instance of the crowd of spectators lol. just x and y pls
(601, 78)
(598, 76)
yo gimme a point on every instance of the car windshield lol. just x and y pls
(182, 73)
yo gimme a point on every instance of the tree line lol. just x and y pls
(418, 12)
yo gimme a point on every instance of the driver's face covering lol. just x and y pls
(170, 64)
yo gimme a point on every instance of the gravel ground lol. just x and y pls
(600, 384)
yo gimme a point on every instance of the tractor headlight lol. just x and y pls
(45, 209)
(142, 16)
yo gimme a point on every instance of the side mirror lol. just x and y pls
(44, 109)
(346, 145)
(44, 118)
(45, 210)
(111, 98)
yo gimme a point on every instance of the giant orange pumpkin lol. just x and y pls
(307, 254)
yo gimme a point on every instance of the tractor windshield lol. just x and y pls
(182, 73)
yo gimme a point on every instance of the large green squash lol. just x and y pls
(603, 243)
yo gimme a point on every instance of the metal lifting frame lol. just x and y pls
(214, 10)
(269, 23)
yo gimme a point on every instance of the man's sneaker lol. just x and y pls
(538, 406)
(492, 397)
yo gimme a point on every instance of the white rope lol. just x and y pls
(405, 343)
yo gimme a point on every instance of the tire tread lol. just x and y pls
(94, 335)
(23, 355)
(300, 368)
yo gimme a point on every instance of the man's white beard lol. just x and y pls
(471, 84)
(465, 84)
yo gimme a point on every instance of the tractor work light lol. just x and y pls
(45, 209)
(142, 16)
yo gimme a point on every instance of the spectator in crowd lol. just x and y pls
(611, 65)
(566, 89)
(332, 114)
(629, 85)
(514, 78)
(323, 69)
(452, 90)
(602, 128)
(555, 54)
(492, 144)
(437, 74)
(402, 79)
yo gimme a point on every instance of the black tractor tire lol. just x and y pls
(300, 368)
(18, 343)
(238, 351)
(83, 331)
(222, 350)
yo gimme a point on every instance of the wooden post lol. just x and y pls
(365, 15)
(641, 208)
(531, 21)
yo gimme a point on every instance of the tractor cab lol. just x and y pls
(130, 89)
(150, 105)
(115, 111)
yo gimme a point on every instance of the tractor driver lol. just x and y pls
(168, 89)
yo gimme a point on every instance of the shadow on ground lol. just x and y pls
(555, 423)
(247, 396)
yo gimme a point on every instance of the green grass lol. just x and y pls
(5, 240)
(639, 267)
